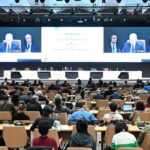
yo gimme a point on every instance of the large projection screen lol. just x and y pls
(75, 44)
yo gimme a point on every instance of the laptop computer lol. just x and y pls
(127, 107)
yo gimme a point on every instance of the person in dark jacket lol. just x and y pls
(82, 138)
(34, 105)
(47, 111)
(20, 115)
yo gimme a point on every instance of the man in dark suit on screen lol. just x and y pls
(9, 45)
(29, 45)
(133, 46)
(112, 47)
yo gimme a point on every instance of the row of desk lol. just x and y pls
(69, 128)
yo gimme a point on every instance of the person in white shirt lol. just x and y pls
(113, 115)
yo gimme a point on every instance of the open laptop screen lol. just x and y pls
(127, 107)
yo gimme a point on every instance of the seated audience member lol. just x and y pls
(80, 91)
(52, 87)
(26, 98)
(108, 92)
(39, 93)
(35, 83)
(134, 96)
(100, 83)
(34, 105)
(31, 88)
(138, 108)
(90, 83)
(145, 131)
(59, 106)
(82, 113)
(123, 138)
(44, 140)
(79, 83)
(113, 115)
(82, 138)
(98, 95)
(147, 87)
(5, 105)
(138, 84)
(20, 115)
(141, 90)
(5, 82)
(133, 46)
(47, 111)
(115, 95)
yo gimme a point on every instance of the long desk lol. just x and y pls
(68, 128)
(64, 75)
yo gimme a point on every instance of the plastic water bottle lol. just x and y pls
(138, 121)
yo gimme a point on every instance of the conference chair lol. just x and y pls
(146, 142)
(131, 148)
(102, 112)
(65, 96)
(102, 103)
(5, 116)
(144, 116)
(62, 117)
(33, 115)
(110, 132)
(79, 148)
(3, 148)
(143, 97)
(15, 136)
(89, 105)
(91, 131)
(119, 102)
(51, 96)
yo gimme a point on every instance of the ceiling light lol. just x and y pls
(42, 1)
(145, 1)
(67, 1)
(118, 1)
(17, 1)
(92, 1)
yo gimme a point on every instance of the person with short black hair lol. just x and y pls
(138, 108)
(123, 138)
(113, 115)
(82, 138)
(47, 111)
(44, 140)
(82, 113)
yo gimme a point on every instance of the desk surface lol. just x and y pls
(95, 112)
(67, 128)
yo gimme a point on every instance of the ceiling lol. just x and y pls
(33, 11)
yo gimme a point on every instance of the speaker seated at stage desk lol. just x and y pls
(133, 45)
(10, 45)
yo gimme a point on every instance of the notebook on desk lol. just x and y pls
(127, 107)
